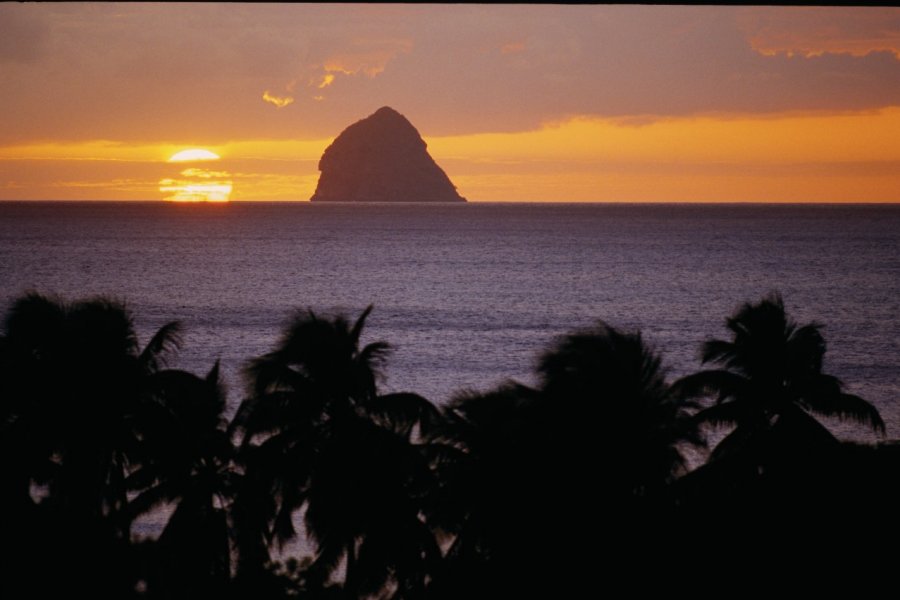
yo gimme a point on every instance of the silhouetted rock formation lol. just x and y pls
(382, 158)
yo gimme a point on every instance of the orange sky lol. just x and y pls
(517, 103)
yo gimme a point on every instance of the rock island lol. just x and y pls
(382, 158)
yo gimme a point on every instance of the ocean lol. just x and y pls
(470, 295)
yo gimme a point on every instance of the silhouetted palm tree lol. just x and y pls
(317, 435)
(778, 480)
(580, 462)
(618, 438)
(74, 386)
(187, 465)
(770, 378)
(484, 502)
(79, 382)
(603, 378)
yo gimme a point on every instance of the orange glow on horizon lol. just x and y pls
(186, 191)
(711, 139)
(716, 158)
(785, 158)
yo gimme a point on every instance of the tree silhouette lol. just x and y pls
(609, 379)
(779, 480)
(617, 435)
(316, 435)
(483, 505)
(538, 472)
(578, 481)
(770, 379)
(75, 389)
(187, 466)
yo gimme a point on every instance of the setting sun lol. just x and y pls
(196, 184)
(193, 154)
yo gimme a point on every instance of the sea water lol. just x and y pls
(470, 295)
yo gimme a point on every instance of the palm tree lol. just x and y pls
(317, 436)
(78, 381)
(187, 465)
(609, 379)
(579, 462)
(618, 438)
(770, 378)
(778, 479)
(75, 383)
(484, 502)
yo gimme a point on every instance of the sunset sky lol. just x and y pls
(516, 102)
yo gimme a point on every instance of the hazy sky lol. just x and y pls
(516, 102)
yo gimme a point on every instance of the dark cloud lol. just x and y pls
(183, 72)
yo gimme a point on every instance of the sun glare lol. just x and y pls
(193, 154)
(196, 184)
(186, 191)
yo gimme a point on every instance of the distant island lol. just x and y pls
(382, 158)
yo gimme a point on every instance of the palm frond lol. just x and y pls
(847, 407)
(439, 454)
(373, 355)
(35, 319)
(151, 499)
(103, 327)
(272, 371)
(213, 378)
(167, 340)
(238, 424)
(142, 478)
(806, 349)
(723, 414)
(402, 411)
(715, 382)
(359, 324)
(716, 351)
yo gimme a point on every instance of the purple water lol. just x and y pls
(469, 295)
